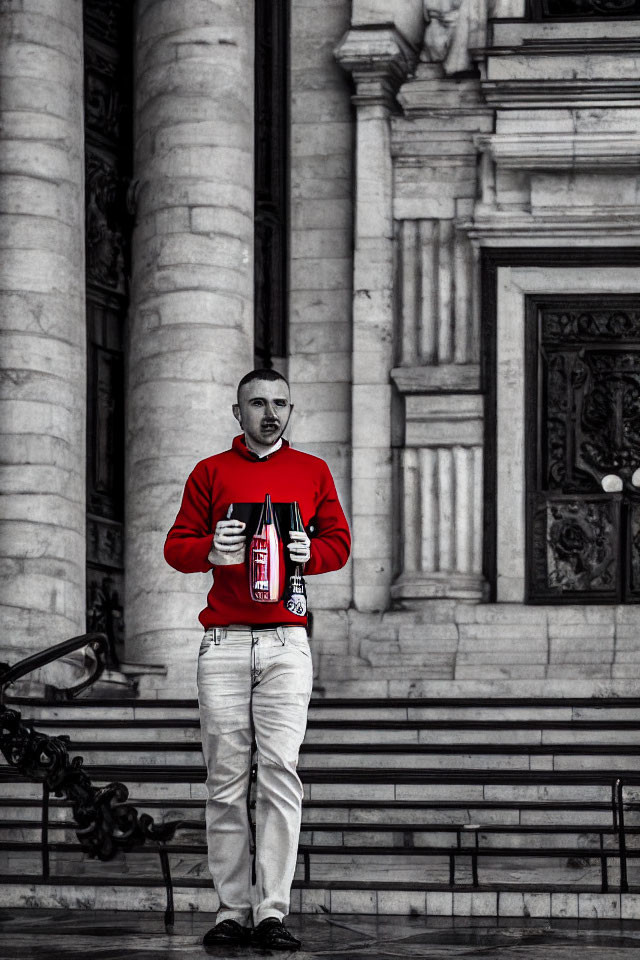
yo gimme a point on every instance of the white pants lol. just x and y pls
(253, 683)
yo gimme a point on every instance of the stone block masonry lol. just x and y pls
(321, 265)
(43, 384)
(494, 649)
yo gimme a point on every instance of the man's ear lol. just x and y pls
(236, 412)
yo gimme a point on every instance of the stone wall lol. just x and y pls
(447, 648)
(533, 151)
(321, 266)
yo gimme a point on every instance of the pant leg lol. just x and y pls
(224, 690)
(280, 703)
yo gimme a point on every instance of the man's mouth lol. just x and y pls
(270, 426)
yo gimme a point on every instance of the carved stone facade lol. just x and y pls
(514, 132)
(463, 299)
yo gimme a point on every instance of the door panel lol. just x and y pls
(580, 9)
(107, 120)
(583, 395)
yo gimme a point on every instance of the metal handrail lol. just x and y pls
(106, 810)
(106, 822)
(98, 642)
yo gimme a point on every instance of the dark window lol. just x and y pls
(271, 179)
(583, 9)
(583, 428)
(108, 156)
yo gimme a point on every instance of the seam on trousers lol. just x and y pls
(252, 754)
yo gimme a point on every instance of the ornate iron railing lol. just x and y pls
(106, 822)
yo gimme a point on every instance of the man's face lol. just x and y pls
(263, 411)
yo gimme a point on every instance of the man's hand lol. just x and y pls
(299, 547)
(229, 543)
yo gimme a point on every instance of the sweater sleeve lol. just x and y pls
(189, 540)
(331, 545)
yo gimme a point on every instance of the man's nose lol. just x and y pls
(271, 411)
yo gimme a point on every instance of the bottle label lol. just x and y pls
(295, 600)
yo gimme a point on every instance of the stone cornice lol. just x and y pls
(441, 96)
(561, 47)
(579, 71)
(562, 151)
(379, 59)
(579, 92)
(605, 228)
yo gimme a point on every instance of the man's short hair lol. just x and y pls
(261, 374)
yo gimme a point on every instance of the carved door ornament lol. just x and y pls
(271, 180)
(108, 160)
(583, 457)
(579, 9)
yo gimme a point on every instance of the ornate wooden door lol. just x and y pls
(580, 9)
(583, 450)
(107, 45)
(271, 180)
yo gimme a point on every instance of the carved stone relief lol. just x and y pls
(453, 28)
(105, 243)
(103, 20)
(102, 102)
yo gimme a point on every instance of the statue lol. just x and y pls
(453, 28)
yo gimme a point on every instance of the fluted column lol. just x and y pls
(441, 499)
(42, 318)
(191, 330)
(379, 58)
(439, 309)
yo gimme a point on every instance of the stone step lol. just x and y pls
(176, 810)
(180, 731)
(163, 810)
(394, 766)
(369, 834)
(417, 899)
(440, 708)
(334, 867)
(354, 793)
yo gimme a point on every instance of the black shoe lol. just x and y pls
(227, 931)
(272, 933)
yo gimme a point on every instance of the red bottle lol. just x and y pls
(264, 558)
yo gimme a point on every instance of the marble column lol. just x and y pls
(378, 58)
(42, 317)
(191, 322)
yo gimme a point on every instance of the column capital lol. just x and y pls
(379, 59)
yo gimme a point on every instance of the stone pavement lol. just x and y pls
(41, 934)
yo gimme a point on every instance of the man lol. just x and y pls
(254, 669)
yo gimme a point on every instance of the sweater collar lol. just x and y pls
(240, 446)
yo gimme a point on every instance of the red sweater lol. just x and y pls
(238, 475)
